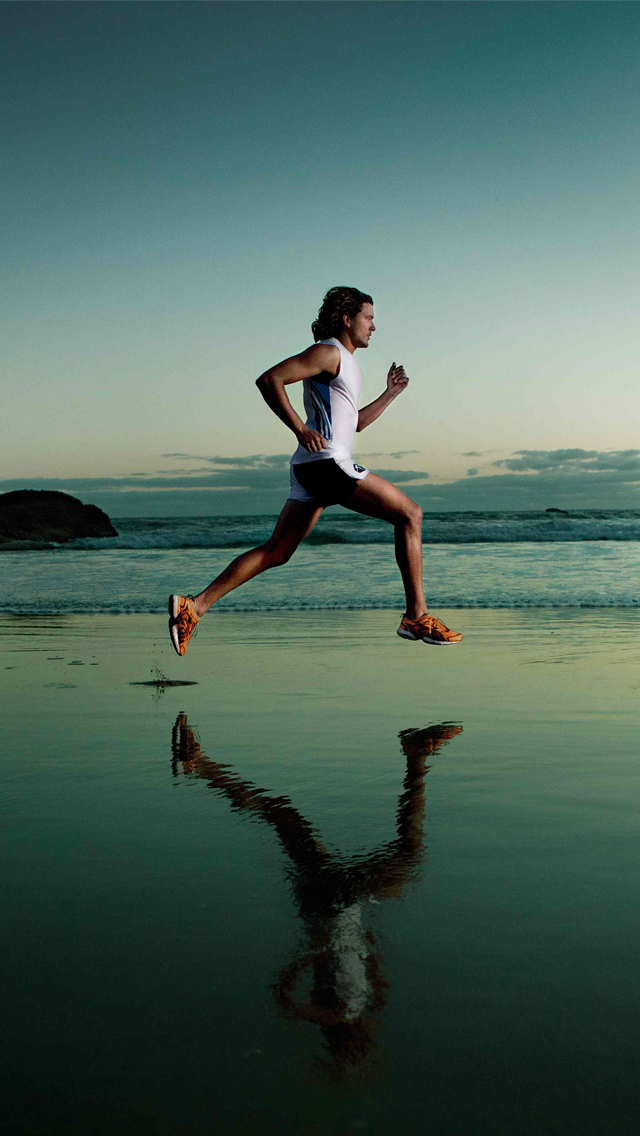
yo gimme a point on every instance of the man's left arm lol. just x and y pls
(396, 383)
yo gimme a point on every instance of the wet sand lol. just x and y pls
(341, 883)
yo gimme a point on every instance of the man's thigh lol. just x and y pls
(294, 523)
(376, 497)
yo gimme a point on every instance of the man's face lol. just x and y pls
(361, 327)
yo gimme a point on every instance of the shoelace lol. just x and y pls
(438, 624)
(431, 622)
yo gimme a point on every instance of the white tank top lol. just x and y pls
(331, 407)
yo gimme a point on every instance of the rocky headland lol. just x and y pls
(46, 516)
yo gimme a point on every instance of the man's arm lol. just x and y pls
(316, 360)
(396, 383)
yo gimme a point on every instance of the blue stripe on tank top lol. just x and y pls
(321, 399)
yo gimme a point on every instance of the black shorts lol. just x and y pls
(325, 481)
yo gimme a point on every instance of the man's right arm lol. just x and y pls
(322, 357)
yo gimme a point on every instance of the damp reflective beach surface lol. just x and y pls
(340, 884)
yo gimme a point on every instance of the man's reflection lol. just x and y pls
(337, 982)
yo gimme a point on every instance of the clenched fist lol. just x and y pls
(397, 380)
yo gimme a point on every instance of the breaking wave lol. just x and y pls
(346, 528)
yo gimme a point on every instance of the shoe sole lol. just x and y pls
(173, 614)
(431, 642)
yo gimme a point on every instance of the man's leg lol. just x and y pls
(295, 521)
(298, 838)
(376, 497)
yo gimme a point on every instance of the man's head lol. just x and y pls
(345, 311)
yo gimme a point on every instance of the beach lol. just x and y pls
(465, 818)
(329, 285)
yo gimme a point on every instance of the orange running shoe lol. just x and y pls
(182, 621)
(429, 629)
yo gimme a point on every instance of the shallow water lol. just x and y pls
(327, 577)
(298, 897)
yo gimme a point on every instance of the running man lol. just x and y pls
(323, 472)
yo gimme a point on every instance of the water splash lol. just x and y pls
(160, 682)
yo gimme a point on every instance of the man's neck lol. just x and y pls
(346, 342)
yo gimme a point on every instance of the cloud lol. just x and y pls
(190, 457)
(401, 476)
(385, 454)
(570, 462)
(261, 477)
(544, 459)
(252, 461)
(473, 454)
(569, 478)
(265, 477)
(190, 472)
(612, 489)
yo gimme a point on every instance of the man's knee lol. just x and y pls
(277, 554)
(413, 514)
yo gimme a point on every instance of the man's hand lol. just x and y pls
(396, 383)
(396, 380)
(311, 440)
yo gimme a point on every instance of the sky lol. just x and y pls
(182, 182)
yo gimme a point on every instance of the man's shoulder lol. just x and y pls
(325, 355)
(329, 349)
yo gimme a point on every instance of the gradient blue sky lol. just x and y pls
(183, 182)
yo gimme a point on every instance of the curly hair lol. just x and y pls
(337, 303)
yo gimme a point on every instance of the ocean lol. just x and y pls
(494, 560)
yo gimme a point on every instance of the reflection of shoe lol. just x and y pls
(429, 629)
(182, 621)
(423, 743)
(184, 746)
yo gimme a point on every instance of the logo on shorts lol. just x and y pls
(358, 468)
